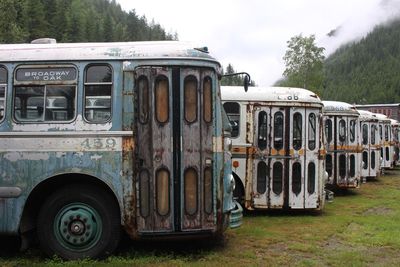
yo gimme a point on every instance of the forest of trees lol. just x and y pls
(366, 71)
(74, 21)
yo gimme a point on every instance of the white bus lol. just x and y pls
(342, 144)
(385, 136)
(277, 155)
(370, 143)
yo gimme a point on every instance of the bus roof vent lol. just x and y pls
(44, 41)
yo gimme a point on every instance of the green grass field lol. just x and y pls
(360, 228)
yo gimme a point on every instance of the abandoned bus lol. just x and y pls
(96, 136)
(385, 136)
(370, 155)
(342, 144)
(277, 152)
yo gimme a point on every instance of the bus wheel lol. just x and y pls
(78, 222)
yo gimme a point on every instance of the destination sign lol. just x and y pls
(46, 74)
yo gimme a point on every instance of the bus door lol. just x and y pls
(261, 118)
(295, 175)
(311, 166)
(277, 157)
(174, 149)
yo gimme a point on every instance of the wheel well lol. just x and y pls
(44, 189)
(239, 187)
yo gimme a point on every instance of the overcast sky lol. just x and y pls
(252, 34)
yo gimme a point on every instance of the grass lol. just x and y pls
(360, 228)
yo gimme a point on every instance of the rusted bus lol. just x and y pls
(395, 144)
(277, 153)
(342, 140)
(120, 138)
(370, 145)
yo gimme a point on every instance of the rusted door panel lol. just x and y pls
(297, 159)
(311, 166)
(260, 164)
(197, 211)
(154, 153)
(277, 155)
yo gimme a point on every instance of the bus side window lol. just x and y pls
(3, 86)
(262, 130)
(98, 84)
(373, 130)
(232, 109)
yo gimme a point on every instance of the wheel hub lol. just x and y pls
(77, 226)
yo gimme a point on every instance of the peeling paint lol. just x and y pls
(16, 156)
(96, 157)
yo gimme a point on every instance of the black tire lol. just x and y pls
(83, 214)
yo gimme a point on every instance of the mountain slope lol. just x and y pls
(367, 71)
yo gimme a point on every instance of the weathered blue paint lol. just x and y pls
(29, 168)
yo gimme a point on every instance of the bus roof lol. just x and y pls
(337, 107)
(366, 115)
(269, 94)
(102, 51)
(382, 117)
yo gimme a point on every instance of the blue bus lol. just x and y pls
(101, 138)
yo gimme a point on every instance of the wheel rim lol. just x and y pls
(78, 227)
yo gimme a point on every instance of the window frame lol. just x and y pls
(240, 116)
(312, 130)
(97, 83)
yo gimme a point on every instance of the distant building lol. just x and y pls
(390, 110)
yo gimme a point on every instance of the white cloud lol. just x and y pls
(252, 34)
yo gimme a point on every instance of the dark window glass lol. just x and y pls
(328, 130)
(262, 130)
(380, 132)
(297, 131)
(311, 178)
(373, 160)
(261, 177)
(44, 103)
(232, 109)
(387, 153)
(296, 178)
(277, 178)
(352, 165)
(329, 165)
(161, 96)
(365, 134)
(382, 152)
(207, 99)
(99, 74)
(144, 99)
(373, 135)
(278, 130)
(190, 95)
(352, 130)
(311, 131)
(365, 160)
(342, 166)
(386, 133)
(98, 93)
(342, 130)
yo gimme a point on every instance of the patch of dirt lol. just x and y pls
(378, 211)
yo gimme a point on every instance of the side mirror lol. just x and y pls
(246, 82)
